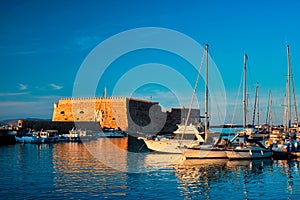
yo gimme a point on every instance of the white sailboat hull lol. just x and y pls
(248, 153)
(168, 145)
(205, 153)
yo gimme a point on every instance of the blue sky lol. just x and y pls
(43, 44)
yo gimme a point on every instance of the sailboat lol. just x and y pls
(289, 147)
(185, 136)
(174, 145)
(207, 151)
(246, 149)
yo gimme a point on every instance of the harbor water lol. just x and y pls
(105, 169)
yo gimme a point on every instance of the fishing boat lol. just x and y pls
(50, 136)
(73, 135)
(29, 137)
(111, 133)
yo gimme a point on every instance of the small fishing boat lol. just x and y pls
(30, 137)
(112, 133)
(24, 139)
(50, 136)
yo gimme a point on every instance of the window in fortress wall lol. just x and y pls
(62, 112)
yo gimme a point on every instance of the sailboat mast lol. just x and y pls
(295, 105)
(293, 90)
(271, 114)
(255, 104)
(288, 87)
(206, 95)
(245, 92)
(258, 122)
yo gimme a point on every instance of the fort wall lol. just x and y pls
(128, 114)
(109, 112)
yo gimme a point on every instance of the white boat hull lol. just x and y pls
(168, 145)
(205, 153)
(248, 153)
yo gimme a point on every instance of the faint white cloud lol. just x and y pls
(23, 87)
(25, 52)
(51, 97)
(13, 94)
(87, 41)
(56, 87)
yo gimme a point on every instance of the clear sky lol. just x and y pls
(43, 44)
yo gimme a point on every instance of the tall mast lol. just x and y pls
(206, 95)
(295, 105)
(293, 90)
(270, 111)
(255, 104)
(288, 87)
(245, 92)
(258, 122)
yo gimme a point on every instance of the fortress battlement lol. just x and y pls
(128, 114)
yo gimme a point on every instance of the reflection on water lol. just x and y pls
(98, 169)
(78, 171)
(156, 161)
(245, 179)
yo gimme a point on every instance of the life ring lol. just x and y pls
(267, 143)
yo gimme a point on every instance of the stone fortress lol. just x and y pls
(128, 114)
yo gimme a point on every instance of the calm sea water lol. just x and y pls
(104, 169)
